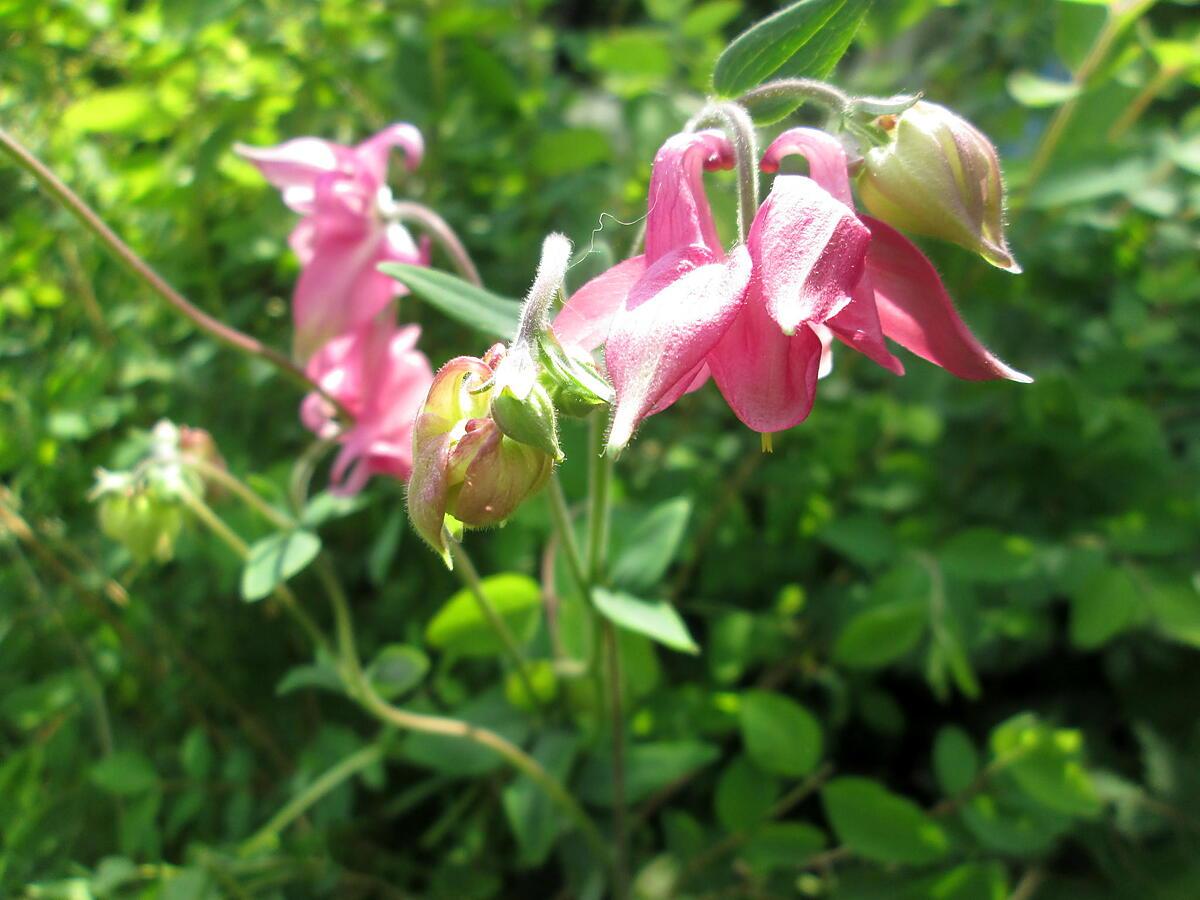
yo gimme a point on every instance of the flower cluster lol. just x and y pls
(345, 330)
(758, 319)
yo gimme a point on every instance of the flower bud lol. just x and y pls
(144, 523)
(467, 471)
(521, 406)
(938, 175)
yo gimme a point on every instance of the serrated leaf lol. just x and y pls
(656, 619)
(880, 825)
(461, 627)
(275, 559)
(477, 308)
(780, 735)
(805, 39)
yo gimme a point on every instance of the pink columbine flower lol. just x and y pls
(758, 317)
(377, 373)
(343, 196)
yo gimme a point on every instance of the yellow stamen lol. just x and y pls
(768, 445)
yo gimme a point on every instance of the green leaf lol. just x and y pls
(647, 549)
(477, 308)
(1008, 823)
(461, 627)
(535, 820)
(1107, 603)
(969, 881)
(648, 768)
(328, 505)
(805, 39)
(780, 735)
(656, 619)
(987, 556)
(781, 845)
(864, 538)
(124, 774)
(397, 669)
(955, 762)
(744, 796)
(195, 754)
(309, 676)
(275, 559)
(881, 634)
(1031, 89)
(881, 826)
(451, 755)
(119, 110)
(1047, 765)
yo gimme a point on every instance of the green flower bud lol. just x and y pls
(145, 524)
(575, 385)
(938, 175)
(521, 406)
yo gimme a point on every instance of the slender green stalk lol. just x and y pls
(598, 525)
(469, 576)
(566, 534)
(1120, 15)
(88, 217)
(439, 229)
(234, 542)
(363, 758)
(359, 687)
(739, 127)
(242, 491)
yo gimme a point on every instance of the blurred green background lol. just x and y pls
(920, 562)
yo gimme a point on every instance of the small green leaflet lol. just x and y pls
(275, 559)
(656, 619)
(480, 309)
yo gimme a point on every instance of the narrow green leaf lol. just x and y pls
(805, 39)
(656, 619)
(1031, 89)
(646, 551)
(881, 826)
(275, 559)
(461, 627)
(780, 735)
(477, 308)
(955, 762)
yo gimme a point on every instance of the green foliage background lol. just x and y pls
(970, 611)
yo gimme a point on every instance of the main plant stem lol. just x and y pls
(598, 523)
(360, 688)
(88, 217)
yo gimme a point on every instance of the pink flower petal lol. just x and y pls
(673, 316)
(917, 313)
(826, 159)
(769, 379)
(857, 326)
(809, 250)
(585, 318)
(678, 213)
(373, 153)
(295, 165)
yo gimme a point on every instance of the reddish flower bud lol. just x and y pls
(466, 471)
(938, 175)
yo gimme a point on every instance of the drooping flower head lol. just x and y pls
(342, 194)
(758, 317)
(381, 379)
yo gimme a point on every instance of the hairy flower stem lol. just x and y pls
(739, 128)
(441, 232)
(469, 576)
(360, 688)
(265, 837)
(88, 217)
